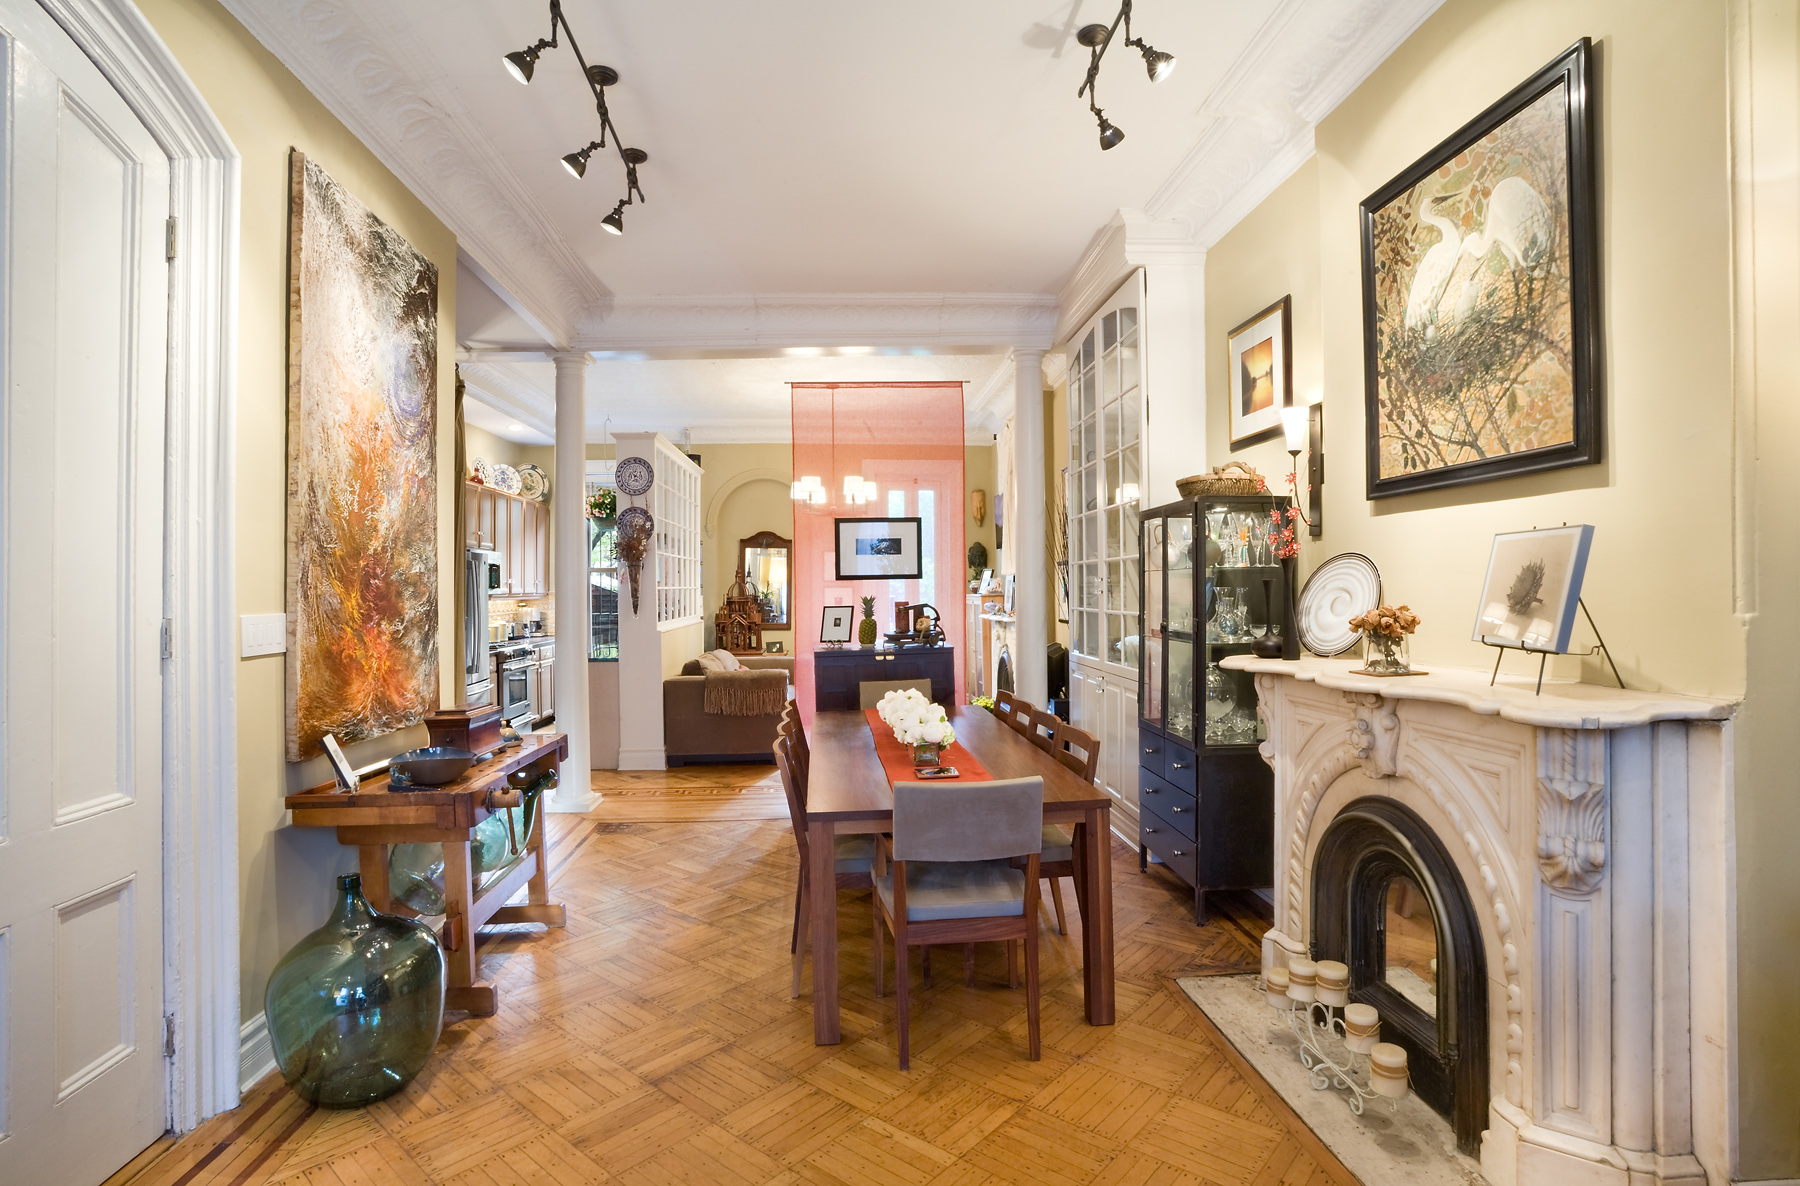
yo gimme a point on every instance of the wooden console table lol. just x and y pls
(372, 819)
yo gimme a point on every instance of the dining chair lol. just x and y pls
(1014, 711)
(1078, 750)
(791, 726)
(870, 691)
(1043, 728)
(948, 878)
(853, 857)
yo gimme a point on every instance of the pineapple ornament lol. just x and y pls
(865, 630)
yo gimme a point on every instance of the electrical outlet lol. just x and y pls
(263, 634)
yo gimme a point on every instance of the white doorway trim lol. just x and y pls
(200, 895)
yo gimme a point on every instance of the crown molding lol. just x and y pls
(765, 320)
(502, 387)
(1131, 240)
(352, 57)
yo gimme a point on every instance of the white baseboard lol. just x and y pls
(256, 1053)
(642, 759)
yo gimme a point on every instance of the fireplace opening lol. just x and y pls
(1388, 901)
(1003, 672)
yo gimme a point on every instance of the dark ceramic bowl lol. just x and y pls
(431, 767)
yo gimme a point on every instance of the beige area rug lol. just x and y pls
(1411, 1144)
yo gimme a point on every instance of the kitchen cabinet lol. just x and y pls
(516, 528)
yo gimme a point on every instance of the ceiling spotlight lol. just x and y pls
(1159, 65)
(576, 162)
(521, 62)
(1097, 38)
(615, 222)
(515, 428)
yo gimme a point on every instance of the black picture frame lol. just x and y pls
(894, 566)
(1574, 69)
(837, 623)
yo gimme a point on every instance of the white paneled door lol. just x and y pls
(83, 301)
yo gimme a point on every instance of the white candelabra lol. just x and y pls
(1316, 999)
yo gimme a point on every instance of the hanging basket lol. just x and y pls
(1221, 483)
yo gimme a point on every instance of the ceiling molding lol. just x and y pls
(499, 386)
(985, 407)
(350, 56)
(764, 320)
(1131, 240)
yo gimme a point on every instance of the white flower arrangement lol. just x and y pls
(914, 719)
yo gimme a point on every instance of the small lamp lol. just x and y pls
(1304, 427)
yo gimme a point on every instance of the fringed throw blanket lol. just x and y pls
(746, 692)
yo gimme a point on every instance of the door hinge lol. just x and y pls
(168, 1035)
(168, 638)
(174, 229)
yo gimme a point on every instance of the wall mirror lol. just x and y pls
(763, 559)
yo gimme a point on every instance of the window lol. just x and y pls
(1105, 434)
(677, 509)
(603, 572)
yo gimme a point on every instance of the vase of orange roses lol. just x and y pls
(1385, 630)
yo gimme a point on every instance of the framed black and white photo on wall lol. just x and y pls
(1481, 313)
(878, 549)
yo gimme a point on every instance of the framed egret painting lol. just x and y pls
(1481, 314)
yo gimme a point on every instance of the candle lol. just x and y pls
(1275, 983)
(1334, 983)
(1362, 1028)
(1387, 1070)
(1303, 977)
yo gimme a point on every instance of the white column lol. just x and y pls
(569, 528)
(1025, 531)
(640, 642)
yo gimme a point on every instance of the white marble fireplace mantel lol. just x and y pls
(1588, 826)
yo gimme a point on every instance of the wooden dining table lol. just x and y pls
(848, 791)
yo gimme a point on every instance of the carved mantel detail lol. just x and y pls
(1572, 809)
(1373, 733)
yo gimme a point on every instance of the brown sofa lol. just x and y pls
(691, 734)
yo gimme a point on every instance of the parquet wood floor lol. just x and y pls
(691, 794)
(653, 1042)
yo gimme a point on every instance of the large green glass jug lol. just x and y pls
(355, 1008)
(416, 870)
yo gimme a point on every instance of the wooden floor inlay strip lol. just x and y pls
(652, 1042)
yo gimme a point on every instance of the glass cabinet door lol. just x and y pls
(1150, 694)
(1244, 590)
(1178, 559)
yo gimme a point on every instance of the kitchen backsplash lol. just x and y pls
(502, 611)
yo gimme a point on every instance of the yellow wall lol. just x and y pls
(1660, 501)
(284, 873)
(980, 473)
(744, 491)
(1661, 578)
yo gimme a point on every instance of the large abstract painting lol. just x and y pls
(362, 566)
(1480, 321)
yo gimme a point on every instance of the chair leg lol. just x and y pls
(1062, 921)
(969, 964)
(900, 985)
(800, 937)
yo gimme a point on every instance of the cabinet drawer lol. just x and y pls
(1150, 751)
(1173, 813)
(1172, 849)
(1153, 792)
(1179, 764)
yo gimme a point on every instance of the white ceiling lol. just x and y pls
(821, 173)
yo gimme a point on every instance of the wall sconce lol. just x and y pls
(1304, 427)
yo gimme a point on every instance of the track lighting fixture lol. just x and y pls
(1157, 64)
(521, 63)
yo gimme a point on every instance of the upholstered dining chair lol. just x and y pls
(870, 691)
(1079, 750)
(950, 880)
(853, 857)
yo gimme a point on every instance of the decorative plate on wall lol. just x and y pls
(1344, 586)
(533, 484)
(634, 477)
(506, 479)
(635, 521)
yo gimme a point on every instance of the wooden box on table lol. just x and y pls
(372, 818)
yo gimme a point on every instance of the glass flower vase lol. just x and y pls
(927, 755)
(355, 1008)
(1385, 654)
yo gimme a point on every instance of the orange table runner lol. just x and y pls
(897, 759)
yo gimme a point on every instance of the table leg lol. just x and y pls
(1097, 916)
(372, 864)
(821, 851)
(463, 991)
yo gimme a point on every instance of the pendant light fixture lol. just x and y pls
(521, 64)
(1157, 64)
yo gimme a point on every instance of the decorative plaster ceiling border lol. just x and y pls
(750, 320)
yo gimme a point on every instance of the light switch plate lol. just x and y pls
(263, 634)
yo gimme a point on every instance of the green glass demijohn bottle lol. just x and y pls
(355, 1008)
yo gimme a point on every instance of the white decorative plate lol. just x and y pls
(506, 479)
(483, 472)
(634, 477)
(1344, 586)
(532, 483)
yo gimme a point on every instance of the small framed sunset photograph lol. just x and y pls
(1260, 356)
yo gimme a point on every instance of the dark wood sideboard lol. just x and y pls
(836, 674)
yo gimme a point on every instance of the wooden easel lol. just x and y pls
(372, 818)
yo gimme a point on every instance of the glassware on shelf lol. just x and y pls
(1231, 615)
(1221, 701)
